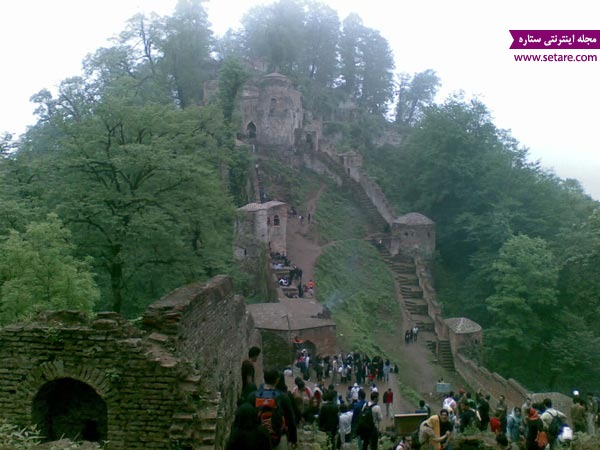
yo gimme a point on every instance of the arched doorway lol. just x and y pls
(251, 130)
(69, 408)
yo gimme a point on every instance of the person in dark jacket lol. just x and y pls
(247, 433)
(271, 379)
(329, 419)
(534, 426)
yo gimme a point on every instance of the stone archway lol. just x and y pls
(70, 408)
(251, 130)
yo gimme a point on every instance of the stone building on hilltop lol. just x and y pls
(272, 117)
(271, 112)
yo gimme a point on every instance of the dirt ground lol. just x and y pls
(417, 367)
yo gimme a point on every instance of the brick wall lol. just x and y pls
(278, 352)
(172, 384)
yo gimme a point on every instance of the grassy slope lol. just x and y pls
(354, 282)
(358, 288)
(339, 218)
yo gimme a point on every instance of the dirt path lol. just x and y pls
(302, 242)
(417, 368)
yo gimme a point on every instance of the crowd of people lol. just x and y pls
(346, 415)
(352, 417)
(530, 426)
(293, 277)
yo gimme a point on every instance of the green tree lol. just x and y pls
(186, 46)
(38, 270)
(274, 34)
(139, 186)
(366, 65)
(351, 54)
(579, 276)
(232, 78)
(414, 95)
(524, 277)
(377, 67)
(319, 50)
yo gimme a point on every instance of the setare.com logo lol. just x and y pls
(560, 45)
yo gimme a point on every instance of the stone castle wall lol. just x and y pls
(172, 384)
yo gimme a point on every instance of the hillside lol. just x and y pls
(355, 283)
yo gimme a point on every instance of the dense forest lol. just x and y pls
(126, 185)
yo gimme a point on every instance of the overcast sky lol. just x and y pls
(550, 107)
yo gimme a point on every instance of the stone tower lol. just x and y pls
(271, 112)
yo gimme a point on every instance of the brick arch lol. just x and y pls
(70, 408)
(53, 370)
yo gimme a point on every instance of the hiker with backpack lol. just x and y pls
(274, 411)
(536, 436)
(247, 433)
(554, 421)
(369, 421)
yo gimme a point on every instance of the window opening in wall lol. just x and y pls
(276, 220)
(251, 130)
(69, 408)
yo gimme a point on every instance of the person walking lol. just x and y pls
(388, 400)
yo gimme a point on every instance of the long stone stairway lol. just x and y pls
(411, 294)
(403, 267)
(377, 222)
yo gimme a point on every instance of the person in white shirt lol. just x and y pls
(345, 426)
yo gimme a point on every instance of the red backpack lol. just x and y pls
(270, 413)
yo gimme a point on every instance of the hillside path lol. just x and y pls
(417, 368)
(302, 242)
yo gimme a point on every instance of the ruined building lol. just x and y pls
(264, 223)
(171, 382)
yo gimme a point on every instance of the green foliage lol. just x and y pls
(38, 271)
(140, 188)
(366, 65)
(414, 95)
(583, 441)
(524, 278)
(232, 77)
(239, 165)
(186, 43)
(579, 283)
(253, 278)
(15, 438)
(338, 216)
(283, 181)
(358, 287)
(476, 183)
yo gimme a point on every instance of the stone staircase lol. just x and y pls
(377, 222)
(445, 357)
(195, 424)
(404, 271)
